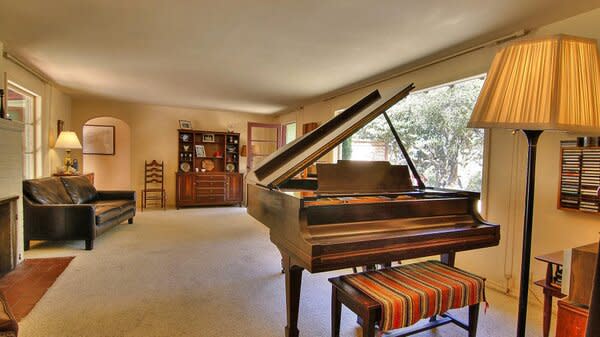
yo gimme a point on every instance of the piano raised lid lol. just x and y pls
(292, 158)
(356, 213)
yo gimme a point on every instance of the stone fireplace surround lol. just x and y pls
(8, 234)
(11, 177)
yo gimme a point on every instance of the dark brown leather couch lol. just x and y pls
(70, 208)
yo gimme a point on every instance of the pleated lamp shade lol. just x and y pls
(542, 84)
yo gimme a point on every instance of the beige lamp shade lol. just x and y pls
(542, 84)
(67, 140)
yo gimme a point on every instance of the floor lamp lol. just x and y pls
(550, 83)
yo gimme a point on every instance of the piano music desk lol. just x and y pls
(550, 289)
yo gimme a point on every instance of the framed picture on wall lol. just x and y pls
(99, 139)
(185, 125)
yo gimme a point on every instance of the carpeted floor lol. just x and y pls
(198, 272)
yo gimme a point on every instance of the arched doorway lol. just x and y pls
(111, 172)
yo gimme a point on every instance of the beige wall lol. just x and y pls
(111, 172)
(60, 109)
(503, 196)
(154, 131)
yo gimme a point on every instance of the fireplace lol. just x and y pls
(8, 234)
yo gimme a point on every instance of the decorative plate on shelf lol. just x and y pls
(230, 167)
(185, 167)
(208, 164)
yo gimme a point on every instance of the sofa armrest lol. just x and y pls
(116, 195)
(66, 221)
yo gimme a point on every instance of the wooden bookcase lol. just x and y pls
(208, 168)
(579, 177)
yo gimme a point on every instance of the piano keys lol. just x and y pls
(357, 213)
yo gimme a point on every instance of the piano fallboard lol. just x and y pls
(383, 242)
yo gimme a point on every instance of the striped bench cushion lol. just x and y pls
(415, 291)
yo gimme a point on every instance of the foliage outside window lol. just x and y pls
(290, 132)
(432, 126)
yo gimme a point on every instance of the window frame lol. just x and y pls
(36, 133)
(285, 132)
(483, 204)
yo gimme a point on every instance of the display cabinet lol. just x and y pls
(208, 170)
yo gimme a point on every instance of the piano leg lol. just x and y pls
(293, 286)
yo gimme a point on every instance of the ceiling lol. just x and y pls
(262, 56)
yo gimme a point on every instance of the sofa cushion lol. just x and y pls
(46, 191)
(124, 205)
(106, 213)
(80, 189)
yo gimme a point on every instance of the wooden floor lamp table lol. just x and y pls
(550, 289)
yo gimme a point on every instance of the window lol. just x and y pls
(21, 106)
(432, 126)
(290, 132)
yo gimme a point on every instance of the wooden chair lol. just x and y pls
(154, 184)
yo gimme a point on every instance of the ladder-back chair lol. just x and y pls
(154, 184)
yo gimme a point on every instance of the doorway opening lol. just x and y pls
(112, 171)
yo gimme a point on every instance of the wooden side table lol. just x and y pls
(550, 289)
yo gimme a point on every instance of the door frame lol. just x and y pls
(280, 138)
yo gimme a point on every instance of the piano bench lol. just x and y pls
(391, 297)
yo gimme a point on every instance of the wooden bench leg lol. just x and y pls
(473, 318)
(336, 313)
(369, 325)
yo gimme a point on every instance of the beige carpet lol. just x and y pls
(198, 272)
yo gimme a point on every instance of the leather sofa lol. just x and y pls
(70, 208)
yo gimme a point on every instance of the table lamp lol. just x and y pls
(550, 83)
(67, 140)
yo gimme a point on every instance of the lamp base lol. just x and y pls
(68, 162)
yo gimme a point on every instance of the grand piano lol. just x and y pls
(356, 213)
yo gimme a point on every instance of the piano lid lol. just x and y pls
(294, 157)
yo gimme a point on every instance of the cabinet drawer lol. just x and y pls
(210, 191)
(210, 183)
(210, 198)
(210, 177)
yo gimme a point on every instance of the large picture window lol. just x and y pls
(432, 125)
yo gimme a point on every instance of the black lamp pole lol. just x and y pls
(532, 139)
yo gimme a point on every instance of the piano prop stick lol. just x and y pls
(356, 213)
